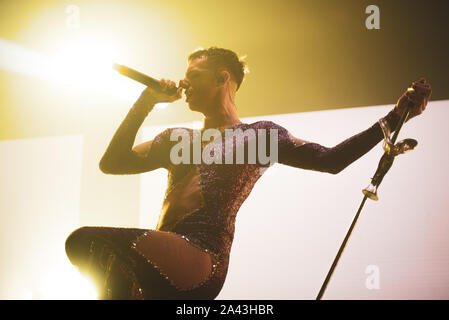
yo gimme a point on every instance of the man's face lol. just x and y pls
(199, 84)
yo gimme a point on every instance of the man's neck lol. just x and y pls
(225, 117)
(223, 112)
(219, 122)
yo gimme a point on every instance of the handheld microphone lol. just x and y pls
(142, 78)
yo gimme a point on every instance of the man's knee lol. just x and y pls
(77, 244)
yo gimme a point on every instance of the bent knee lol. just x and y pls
(77, 244)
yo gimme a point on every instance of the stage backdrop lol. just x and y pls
(287, 232)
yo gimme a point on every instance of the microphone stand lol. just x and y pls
(385, 163)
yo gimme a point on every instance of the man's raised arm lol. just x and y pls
(120, 156)
(313, 156)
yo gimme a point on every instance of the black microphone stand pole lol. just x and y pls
(385, 163)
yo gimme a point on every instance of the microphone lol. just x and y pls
(144, 79)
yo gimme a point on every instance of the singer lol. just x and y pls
(187, 255)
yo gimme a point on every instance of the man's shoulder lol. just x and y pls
(266, 124)
(169, 130)
(167, 134)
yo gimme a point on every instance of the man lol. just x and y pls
(187, 256)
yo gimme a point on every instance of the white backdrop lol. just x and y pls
(39, 203)
(287, 232)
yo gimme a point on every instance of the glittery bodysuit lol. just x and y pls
(202, 200)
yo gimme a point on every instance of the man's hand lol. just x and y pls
(420, 96)
(150, 97)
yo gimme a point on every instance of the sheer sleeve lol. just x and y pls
(159, 153)
(119, 157)
(314, 156)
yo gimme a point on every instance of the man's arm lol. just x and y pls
(120, 156)
(313, 156)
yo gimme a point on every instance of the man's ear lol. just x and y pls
(223, 76)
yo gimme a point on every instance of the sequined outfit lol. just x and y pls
(220, 189)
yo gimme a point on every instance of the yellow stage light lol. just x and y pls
(65, 282)
(83, 65)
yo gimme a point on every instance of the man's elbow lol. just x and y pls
(123, 165)
(335, 170)
(106, 167)
(103, 168)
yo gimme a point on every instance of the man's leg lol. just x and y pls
(102, 253)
